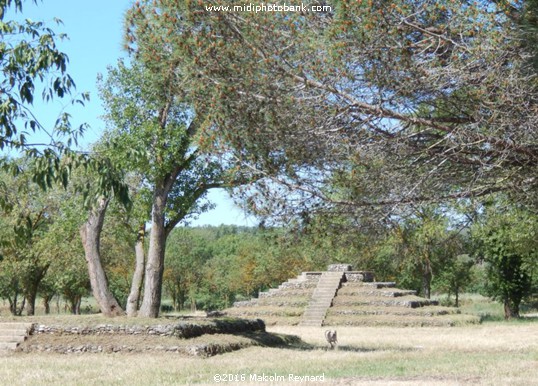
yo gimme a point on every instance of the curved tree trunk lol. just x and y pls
(90, 232)
(138, 276)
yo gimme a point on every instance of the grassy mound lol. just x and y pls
(189, 336)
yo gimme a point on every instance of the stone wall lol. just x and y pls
(360, 276)
(339, 267)
(184, 330)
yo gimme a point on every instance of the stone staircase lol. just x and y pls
(343, 297)
(322, 298)
(12, 334)
(282, 305)
(382, 304)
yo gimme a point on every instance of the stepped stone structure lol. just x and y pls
(13, 334)
(341, 296)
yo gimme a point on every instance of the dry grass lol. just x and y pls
(490, 354)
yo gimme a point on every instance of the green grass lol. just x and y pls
(488, 310)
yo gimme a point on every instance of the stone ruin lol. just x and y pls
(341, 296)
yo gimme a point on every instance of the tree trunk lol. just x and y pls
(511, 309)
(426, 279)
(75, 306)
(138, 276)
(13, 304)
(46, 304)
(90, 234)
(32, 287)
(30, 299)
(155, 264)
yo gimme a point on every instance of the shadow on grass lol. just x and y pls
(488, 318)
(294, 342)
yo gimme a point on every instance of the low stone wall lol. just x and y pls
(246, 303)
(201, 350)
(360, 276)
(311, 276)
(339, 268)
(184, 330)
(226, 335)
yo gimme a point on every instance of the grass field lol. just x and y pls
(492, 353)
(489, 354)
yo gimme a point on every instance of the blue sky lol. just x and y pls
(95, 31)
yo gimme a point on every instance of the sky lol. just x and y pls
(95, 31)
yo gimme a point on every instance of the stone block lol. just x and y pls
(339, 267)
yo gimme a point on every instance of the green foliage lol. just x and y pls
(211, 267)
(24, 226)
(29, 55)
(399, 102)
(151, 136)
(456, 276)
(507, 244)
(420, 248)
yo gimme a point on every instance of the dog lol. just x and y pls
(330, 335)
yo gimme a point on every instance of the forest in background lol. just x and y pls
(436, 251)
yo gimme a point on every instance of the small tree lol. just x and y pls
(507, 244)
(455, 276)
(26, 217)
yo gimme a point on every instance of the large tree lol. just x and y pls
(398, 102)
(156, 134)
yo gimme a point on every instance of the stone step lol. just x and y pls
(380, 284)
(316, 310)
(396, 311)
(368, 291)
(325, 299)
(401, 321)
(319, 306)
(5, 346)
(316, 317)
(298, 285)
(275, 293)
(12, 338)
(313, 323)
(265, 310)
(322, 298)
(403, 301)
(330, 287)
(12, 334)
(283, 302)
(15, 326)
